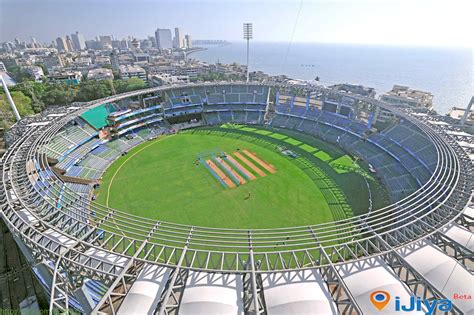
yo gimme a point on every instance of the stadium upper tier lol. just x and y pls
(94, 258)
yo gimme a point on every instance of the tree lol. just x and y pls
(19, 74)
(59, 94)
(91, 90)
(22, 102)
(33, 90)
(132, 84)
(45, 70)
(117, 75)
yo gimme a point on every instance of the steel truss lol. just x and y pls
(68, 237)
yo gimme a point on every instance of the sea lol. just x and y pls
(448, 73)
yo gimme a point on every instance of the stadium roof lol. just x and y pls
(97, 116)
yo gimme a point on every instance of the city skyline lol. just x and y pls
(342, 21)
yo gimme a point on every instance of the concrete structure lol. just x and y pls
(189, 41)
(93, 44)
(69, 43)
(105, 42)
(100, 74)
(178, 39)
(2, 67)
(53, 61)
(146, 44)
(68, 77)
(141, 58)
(152, 39)
(36, 72)
(403, 95)
(125, 44)
(129, 71)
(78, 41)
(354, 88)
(114, 60)
(163, 38)
(61, 44)
(165, 79)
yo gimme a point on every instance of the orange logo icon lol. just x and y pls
(380, 299)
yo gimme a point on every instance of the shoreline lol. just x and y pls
(194, 50)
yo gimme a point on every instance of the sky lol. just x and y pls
(381, 22)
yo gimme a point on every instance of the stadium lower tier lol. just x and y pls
(413, 243)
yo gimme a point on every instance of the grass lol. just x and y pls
(160, 180)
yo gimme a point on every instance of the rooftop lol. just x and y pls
(130, 68)
(403, 94)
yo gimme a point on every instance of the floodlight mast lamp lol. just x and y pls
(248, 34)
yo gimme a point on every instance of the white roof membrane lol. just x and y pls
(212, 293)
(297, 292)
(373, 274)
(145, 293)
(442, 271)
(460, 235)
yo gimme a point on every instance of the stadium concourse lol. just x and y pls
(93, 259)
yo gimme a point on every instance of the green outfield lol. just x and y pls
(162, 179)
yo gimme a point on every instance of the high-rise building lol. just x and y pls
(34, 43)
(53, 61)
(163, 38)
(78, 41)
(69, 43)
(61, 44)
(178, 38)
(124, 44)
(121, 44)
(189, 41)
(114, 61)
(153, 40)
(92, 44)
(8, 46)
(105, 41)
(146, 44)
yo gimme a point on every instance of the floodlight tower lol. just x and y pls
(10, 99)
(248, 33)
